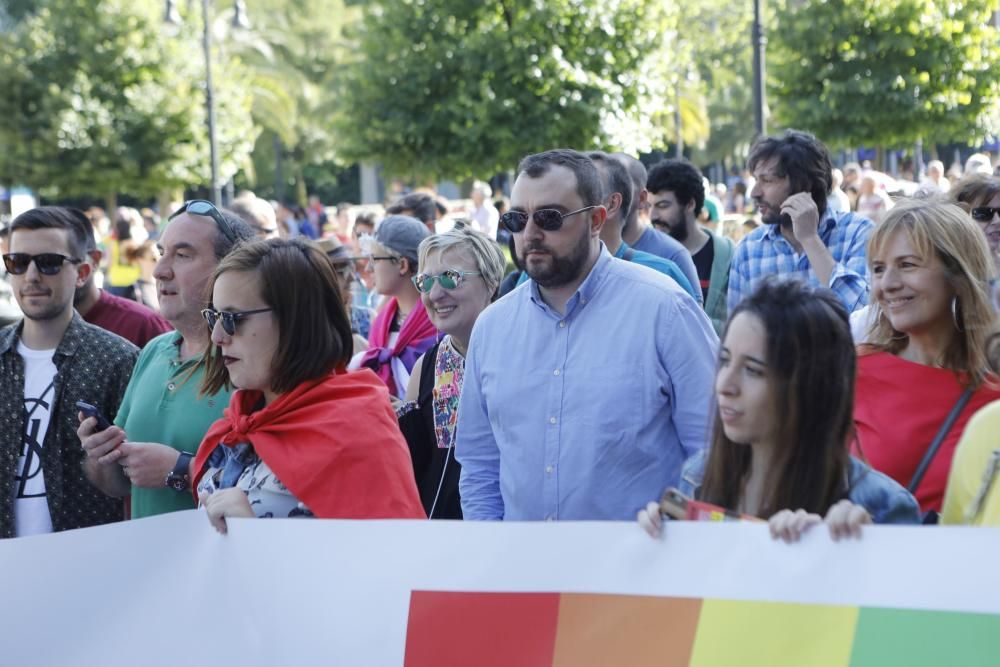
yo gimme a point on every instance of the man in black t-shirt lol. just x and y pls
(676, 196)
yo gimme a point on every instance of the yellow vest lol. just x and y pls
(120, 272)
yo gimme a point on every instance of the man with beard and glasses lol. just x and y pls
(676, 196)
(801, 235)
(617, 187)
(586, 388)
(48, 362)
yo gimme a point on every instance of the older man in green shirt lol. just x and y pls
(163, 418)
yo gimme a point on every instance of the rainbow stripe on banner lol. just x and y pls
(448, 629)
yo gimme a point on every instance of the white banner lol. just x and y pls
(170, 590)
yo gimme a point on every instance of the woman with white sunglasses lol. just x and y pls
(458, 278)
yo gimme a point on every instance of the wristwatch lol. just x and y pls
(179, 479)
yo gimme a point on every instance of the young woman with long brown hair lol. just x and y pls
(779, 450)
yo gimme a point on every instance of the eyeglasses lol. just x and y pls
(47, 263)
(229, 318)
(985, 213)
(376, 258)
(344, 270)
(207, 208)
(448, 279)
(548, 219)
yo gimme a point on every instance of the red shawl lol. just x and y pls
(334, 443)
(415, 337)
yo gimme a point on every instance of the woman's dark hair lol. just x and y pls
(123, 229)
(811, 366)
(314, 331)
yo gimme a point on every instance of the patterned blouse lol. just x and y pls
(240, 467)
(449, 369)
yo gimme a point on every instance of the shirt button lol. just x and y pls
(552, 420)
(548, 469)
(550, 518)
(171, 386)
(562, 324)
(556, 372)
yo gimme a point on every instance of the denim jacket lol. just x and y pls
(885, 500)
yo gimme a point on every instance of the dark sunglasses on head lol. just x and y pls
(229, 318)
(548, 219)
(985, 213)
(448, 279)
(207, 208)
(47, 263)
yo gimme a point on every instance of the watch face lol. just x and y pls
(177, 482)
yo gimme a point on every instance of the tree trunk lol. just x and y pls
(110, 204)
(301, 195)
(167, 201)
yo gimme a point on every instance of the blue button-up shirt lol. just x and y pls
(766, 252)
(588, 415)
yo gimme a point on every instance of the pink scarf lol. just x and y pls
(415, 337)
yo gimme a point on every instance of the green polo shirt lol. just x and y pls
(162, 405)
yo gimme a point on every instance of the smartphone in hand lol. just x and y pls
(91, 411)
(676, 505)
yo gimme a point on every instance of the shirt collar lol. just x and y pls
(67, 346)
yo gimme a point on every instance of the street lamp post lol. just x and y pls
(206, 43)
(759, 47)
(239, 20)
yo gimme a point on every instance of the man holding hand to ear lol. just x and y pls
(801, 235)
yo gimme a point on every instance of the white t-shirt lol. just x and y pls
(31, 504)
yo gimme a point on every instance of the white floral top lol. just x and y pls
(240, 467)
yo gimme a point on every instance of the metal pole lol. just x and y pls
(210, 104)
(759, 47)
(918, 161)
(679, 146)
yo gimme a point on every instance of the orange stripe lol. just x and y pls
(602, 630)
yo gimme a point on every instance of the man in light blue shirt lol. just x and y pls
(586, 388)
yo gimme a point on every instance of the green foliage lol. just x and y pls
(887, 72)
(724, 66)
(293, 55)
(452, 89)
(99, 99)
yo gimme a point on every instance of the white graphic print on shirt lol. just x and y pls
(31, 505)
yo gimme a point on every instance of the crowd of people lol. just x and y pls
(594, 344)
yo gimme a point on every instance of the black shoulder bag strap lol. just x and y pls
(949, 421)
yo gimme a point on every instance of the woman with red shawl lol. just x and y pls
(301, 436)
